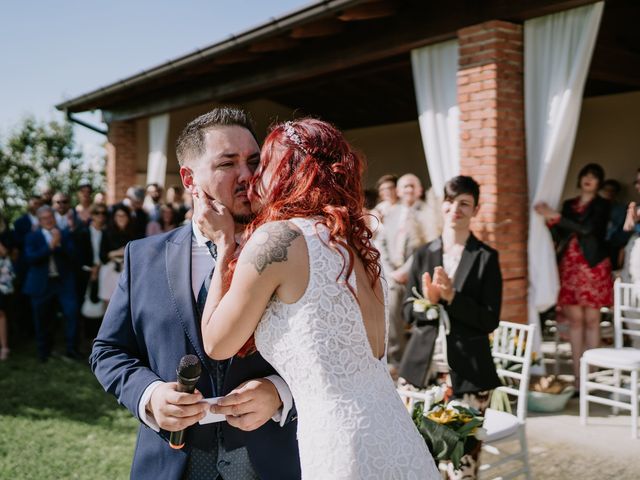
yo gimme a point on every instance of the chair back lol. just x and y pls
(411, 397)
(626, 311)
(512, 349)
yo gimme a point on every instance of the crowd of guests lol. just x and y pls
(64, 260)
(597, 238)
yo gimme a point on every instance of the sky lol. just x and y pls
(53, 50)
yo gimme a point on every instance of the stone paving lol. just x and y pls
(561, 448)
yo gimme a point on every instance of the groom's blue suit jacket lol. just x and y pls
(150, 324)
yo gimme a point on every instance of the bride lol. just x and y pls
(306, 291)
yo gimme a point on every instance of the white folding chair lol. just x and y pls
(512, 345)
(411, 397)
(618, 367)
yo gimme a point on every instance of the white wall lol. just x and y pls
(394, 148)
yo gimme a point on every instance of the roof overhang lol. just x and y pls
(338, 50)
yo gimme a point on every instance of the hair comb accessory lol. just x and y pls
(291, 134)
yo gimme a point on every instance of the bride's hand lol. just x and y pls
(213, 219)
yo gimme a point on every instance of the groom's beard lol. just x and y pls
(243, 219)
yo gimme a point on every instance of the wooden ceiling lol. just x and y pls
(353, 66)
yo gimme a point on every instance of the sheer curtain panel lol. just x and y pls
(435, 69)
(557, 53)
(157, 161)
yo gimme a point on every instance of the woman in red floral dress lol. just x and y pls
(586, 284)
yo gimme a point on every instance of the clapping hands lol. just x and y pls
(438, 288)
(56, 238)
(632, 217)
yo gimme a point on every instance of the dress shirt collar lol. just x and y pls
(201, 240)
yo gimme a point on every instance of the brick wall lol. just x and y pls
(492, 148)
(121, 159)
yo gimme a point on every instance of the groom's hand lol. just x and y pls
(251, 405)
(174, 410)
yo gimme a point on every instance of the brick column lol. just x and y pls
(121, 159)
(492, 148)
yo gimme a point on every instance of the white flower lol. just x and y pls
(438, 393)
(432, 314)
(480, 433)
(419, 307)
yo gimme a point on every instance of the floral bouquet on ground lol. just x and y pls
(451, 429)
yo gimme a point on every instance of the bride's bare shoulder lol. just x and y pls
(271, 244)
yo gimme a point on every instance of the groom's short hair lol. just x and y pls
(191, 142)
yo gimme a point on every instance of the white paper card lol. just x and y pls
(212, 417)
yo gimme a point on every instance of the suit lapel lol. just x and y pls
(468, 258)
(178, 268)
(435, 255)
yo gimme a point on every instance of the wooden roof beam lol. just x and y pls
(232, 58)
(275, 44)
(322, 28)
(615, 65)
(368, 11)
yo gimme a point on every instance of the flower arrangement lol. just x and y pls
(451, 429)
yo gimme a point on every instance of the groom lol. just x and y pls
(153, 320)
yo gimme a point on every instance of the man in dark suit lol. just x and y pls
(50, 276)
(153, 320)
(462, 274)
(29, 221)
(24, 225)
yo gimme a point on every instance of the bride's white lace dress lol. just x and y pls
(351, 422)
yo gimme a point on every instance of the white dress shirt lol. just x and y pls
(62, 220)
(201, 265)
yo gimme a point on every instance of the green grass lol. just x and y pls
(56, 422)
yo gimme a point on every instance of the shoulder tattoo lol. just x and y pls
(271, 244)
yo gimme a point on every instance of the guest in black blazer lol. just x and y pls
(460, 272)
(586, 285)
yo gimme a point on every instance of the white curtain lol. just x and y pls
(157, 160)
(435, 69)
(557, 53)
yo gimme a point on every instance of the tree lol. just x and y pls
(36, 154)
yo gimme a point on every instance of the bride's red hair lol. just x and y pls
(316, 173)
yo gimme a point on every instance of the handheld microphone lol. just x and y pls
(188, 373)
